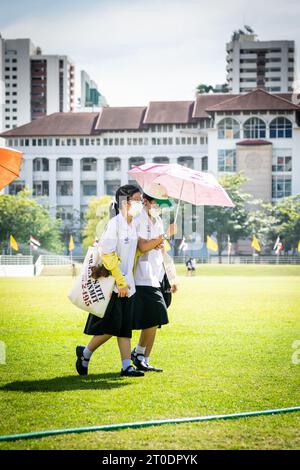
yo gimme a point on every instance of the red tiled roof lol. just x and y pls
(57, 124)
(169, 112)
(255, 100)
(121, 118)
(205, 101)
(254, 142)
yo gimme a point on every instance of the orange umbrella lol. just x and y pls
(10, 163)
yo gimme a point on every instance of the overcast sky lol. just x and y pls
(143, 50)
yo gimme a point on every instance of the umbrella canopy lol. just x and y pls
(185, 184)
(10, 163)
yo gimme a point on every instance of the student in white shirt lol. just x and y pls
(118, 244)
(150, 309)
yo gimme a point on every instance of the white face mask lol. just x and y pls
(155, 212)
(135, 208)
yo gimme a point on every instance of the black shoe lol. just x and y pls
(139, 362)
(133, 354)
(80, 357)
(131, 372)
(153, 369)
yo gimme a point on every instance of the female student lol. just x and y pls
(150, 310)
(118, 244)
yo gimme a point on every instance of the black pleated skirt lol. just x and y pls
(149, 308)
(117, 320)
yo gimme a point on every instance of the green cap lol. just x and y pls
(163, 202)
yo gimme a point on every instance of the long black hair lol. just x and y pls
(125, 191)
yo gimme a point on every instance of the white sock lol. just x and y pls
(147, 360)
(126, 363)
(87, 355)
(140, 351)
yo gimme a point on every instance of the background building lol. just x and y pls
(266, 64)
(70, 157)
(33, 84)
(91, 98)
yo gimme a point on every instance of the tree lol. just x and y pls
(97, 216)
(287, 214)
(225, 221)
(22, 216)
(202, 88)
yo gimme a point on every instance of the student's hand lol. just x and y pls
(171, 230)
(123, 291)
(160, 246)
(174, 288)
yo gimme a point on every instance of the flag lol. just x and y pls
(229, 246)
(211, 244)
(255, 243)
(71, 244)
(13, 243)
(276, 243)
(183, 245)
(278, 247)
(299, 246)
(34, 243)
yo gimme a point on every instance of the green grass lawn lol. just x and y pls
(228, 348)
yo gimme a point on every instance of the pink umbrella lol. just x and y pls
(183, 183)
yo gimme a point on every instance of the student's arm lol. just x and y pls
(147, 245)
(112, 263)
(110, 257)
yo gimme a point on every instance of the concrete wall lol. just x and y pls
(16, 271)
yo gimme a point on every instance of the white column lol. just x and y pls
(100, 177)
(28, 172)
(173, 159)
(197, 162)
(124, 170)
(76, 185)
(52, 185)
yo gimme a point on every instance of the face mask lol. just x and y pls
(155, 211)
(135, 208)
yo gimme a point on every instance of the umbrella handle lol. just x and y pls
(179, 200)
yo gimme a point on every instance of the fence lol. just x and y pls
(17, 265)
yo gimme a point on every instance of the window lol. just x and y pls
(112, 186)
(64, 188)
(282, 162)
(254, 128)
(186, 161)
(64, 164)
(89, 188)
(15, 187)
(88, 164)
(228, 128)
(161, 159)
(280, 127)
(226, 160)
(204, 163)
(41, 188)
(40, 164)
(136, 161)
(112, 164)
(281, 186)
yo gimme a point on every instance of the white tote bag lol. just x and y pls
(89, 294)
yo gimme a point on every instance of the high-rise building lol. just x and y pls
(32, 84)
(91, 99)
(260, 64)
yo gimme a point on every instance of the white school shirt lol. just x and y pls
(149, 268)
(121, 237)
